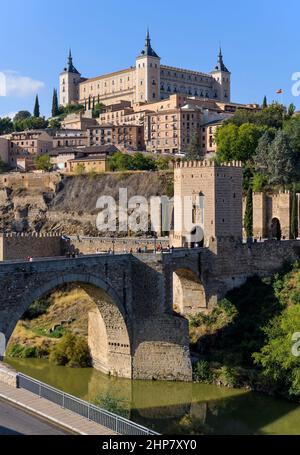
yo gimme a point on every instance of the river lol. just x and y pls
(174, 407)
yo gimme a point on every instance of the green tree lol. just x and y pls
(43, 163)
(294, 217)
(258, 182)
(21, 115)
(292, 130)
(237, 142)
(193, 150)
(162, 163)
(6, 125)
(54, 123)
(55, 108)
(291, 110)
(36, 110)
(261, 158)
(226, 138)
(272, 116)
(248, 218)
(276, 358)
(98, 108)
(275, 158)
(120, 162)
(32, 123)
(265, 103)
(282, 160)
(141, 162)
(241, 116)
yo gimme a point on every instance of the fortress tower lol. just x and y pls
(69, 81)
(147, 74)
(221, 76)
(209, 197)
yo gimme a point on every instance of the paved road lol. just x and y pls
(14, 421)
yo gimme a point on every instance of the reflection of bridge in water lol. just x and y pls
(135, 332)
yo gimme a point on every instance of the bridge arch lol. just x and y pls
(109, 328)
(189, 296)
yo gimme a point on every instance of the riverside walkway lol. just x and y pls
(61, 408)
(51, 411)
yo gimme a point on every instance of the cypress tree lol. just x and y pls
(265, 103)
(248, 218)
(36, 111)
(55, 108)
(294, 217)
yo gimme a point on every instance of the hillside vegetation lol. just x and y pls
(248, 339)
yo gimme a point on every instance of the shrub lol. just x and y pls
(27, 352)
(203, 373)
(36, 309)
(118, 406)
(71, 351)
(228, 376)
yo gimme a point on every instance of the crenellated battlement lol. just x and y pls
(206, 163)
(32, 235)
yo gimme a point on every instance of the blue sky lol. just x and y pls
(260, 42)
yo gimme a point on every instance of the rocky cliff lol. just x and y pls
(70, 206)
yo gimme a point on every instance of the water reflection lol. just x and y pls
(175, 408)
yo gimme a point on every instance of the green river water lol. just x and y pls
(174, 407)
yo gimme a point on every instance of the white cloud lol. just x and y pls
(21, 86)
(10, 115)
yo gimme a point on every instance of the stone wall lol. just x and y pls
(22, 246)
(8, 376)
(92, 245)
(32, 180)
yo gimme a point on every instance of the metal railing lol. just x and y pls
(91, 412)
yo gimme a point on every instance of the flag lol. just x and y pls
(279, 91)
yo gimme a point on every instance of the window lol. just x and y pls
(201, 207)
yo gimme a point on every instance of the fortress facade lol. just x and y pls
(147, 81)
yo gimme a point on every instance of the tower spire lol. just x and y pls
(220, 66)
(148, 48)
(70, 58)
(70, 67)
(148, 39)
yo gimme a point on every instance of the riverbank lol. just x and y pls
(173, 407)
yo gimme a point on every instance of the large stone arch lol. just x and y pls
(189, 296)
(109, 328)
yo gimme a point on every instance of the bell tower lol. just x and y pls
(147, 74)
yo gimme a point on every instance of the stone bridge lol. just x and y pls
(139, 328)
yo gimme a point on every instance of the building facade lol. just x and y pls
(124, 137)
(147, 81)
